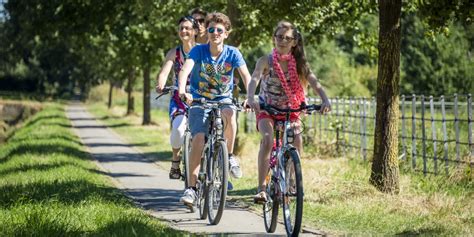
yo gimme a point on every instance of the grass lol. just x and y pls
(338, 196)
(50, 187)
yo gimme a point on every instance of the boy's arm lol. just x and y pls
(182, 77)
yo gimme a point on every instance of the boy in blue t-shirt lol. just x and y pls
(212, 77)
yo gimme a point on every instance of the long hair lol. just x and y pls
(302, 65)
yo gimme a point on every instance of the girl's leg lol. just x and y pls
(178, 126)
(265, 126)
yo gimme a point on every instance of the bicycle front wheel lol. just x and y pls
(218, 168)
(293, 193)
(202, 188)
(186, 151)
(270, 207)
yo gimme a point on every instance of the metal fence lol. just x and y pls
(435, 133)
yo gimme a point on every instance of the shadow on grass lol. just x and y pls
(40, 138)
(44, 150)
(39, 118)
(67, 192)
(121, 226)
(436, 230)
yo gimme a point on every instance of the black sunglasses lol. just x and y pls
(200, 20)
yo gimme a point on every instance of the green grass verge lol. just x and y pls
(50, 187)
(338, 196)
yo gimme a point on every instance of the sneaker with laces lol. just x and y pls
(234, 167)
(189, 196)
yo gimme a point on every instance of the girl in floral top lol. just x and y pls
(284, 74)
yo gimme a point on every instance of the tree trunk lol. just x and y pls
(130, 98)
(111, 89)
(146, 95)
(234, 14)
(385, 172)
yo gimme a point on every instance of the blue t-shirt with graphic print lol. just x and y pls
(214, 79)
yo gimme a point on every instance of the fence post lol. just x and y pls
(423, 132)
(359, 125)
(469, 120)
(350, 124)
(361, 128)
(337, 125)
(413, 131)
(445, 135)
(343, 125)
(456, 126)
(320, 128)
(364, 139)
(433, 129)
(404, 142)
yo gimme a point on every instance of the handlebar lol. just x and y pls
(274, 110)
(166, 90)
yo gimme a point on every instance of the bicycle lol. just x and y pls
(186, 147)
(284, 179)
(213, 178)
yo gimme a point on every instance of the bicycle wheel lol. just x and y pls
(202, 189)
(293, 193)
(270, 208)
(218, 168)
(186, 151)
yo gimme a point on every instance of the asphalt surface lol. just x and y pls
(149, 186)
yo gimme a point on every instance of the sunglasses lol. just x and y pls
(214, 29)
(200, 20)
(286, 38)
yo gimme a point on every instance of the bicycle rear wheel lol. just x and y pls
(186, 151)
(218, 169)
(293, 193)
(270, 208)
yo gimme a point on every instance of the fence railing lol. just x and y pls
(435, 133)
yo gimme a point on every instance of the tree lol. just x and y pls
(385, 173)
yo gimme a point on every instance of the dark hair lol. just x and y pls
(221, 18)
(190, 19)
(302, 65)
(198, 10)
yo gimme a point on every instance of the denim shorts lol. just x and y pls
(199, 117)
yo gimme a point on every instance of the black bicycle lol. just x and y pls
(284, 179)
(213, 178)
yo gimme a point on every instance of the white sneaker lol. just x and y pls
(234, 167)
(189, 196)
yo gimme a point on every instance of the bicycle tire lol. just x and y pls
(270, 208)
(218, 173)
(185, 158)
(203, 189)
(293, 195)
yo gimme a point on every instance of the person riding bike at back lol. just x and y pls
(200, 16)
(211, 67)
(187, 32)
(284, 74)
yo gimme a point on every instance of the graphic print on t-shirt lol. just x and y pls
(216, 79)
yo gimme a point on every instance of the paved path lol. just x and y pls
(149, 185)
